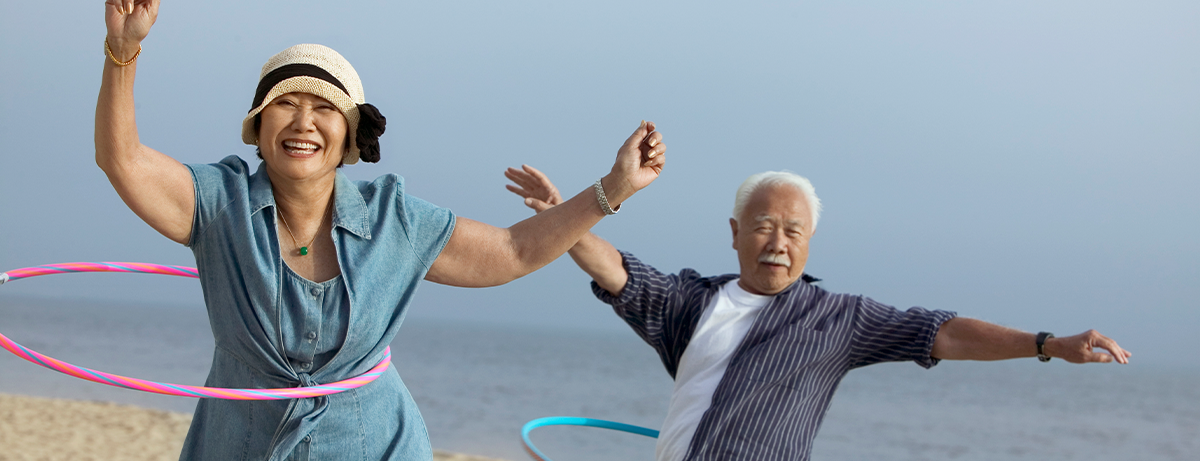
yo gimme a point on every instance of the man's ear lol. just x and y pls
(733, 225)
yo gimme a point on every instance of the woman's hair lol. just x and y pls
(258, 150)
(772, 178)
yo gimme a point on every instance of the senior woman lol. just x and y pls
(306, 274)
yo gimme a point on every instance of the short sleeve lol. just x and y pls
(216, 186)
(428, 227)
(883, 333)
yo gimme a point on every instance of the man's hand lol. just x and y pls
(540, 194)
(595, 256)
(962, 338)
(1081, 348)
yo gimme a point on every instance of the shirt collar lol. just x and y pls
(349, 207)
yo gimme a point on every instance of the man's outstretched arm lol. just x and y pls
(970, 339)
(593, 254)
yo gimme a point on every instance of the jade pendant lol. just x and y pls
(303, 251)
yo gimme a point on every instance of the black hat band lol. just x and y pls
(288, 71)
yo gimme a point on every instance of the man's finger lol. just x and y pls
(1111, 346)
(521, 178)
(517, 190)
(521, 181)
(1094, 356)
(541, 183)
(538, 177)
(535, 173)
(537, 205)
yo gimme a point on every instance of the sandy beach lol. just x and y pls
(34, 428)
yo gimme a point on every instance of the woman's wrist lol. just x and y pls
(121, 50)
(616, 190)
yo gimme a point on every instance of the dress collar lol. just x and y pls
(349, 207)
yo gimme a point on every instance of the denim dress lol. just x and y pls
(263, 317)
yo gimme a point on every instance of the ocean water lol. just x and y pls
(477, 384)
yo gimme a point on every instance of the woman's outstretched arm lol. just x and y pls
(156, 187)
(593, 254)
(480, 255)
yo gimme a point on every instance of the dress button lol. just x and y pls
(307, 438)
(305, 365)
(315, 291)
(311, 335)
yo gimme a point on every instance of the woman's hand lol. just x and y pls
(128, 23)
(540, 194)
(639, 162)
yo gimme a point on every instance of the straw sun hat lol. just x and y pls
(322, 72)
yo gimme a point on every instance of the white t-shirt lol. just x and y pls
(720, 330)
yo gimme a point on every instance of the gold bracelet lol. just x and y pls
(108, 52)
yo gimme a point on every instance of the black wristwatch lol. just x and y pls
(1041, 341)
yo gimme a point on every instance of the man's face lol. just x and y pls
(771, 239)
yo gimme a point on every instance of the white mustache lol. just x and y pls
(775, 258)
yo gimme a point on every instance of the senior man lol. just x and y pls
(756, 356)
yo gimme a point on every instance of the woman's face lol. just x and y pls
(301, 136)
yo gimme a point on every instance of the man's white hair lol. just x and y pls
(772, 178)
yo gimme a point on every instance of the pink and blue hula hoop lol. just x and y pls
(180, 390)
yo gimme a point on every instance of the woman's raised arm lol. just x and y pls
(156, 187)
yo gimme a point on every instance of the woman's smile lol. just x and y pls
(298, 148)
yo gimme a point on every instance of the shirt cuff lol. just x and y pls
(633, 283)
(930, 334)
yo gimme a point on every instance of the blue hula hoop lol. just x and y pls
(575, 421)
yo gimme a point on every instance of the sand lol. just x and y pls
(33, 428)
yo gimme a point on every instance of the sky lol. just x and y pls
(1028, 163)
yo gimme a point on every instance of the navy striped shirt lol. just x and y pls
(780, 380)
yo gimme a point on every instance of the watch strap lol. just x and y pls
(1041, 343)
